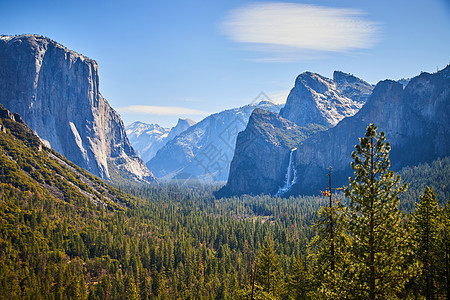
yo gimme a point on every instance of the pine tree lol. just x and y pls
(380, 243)
(131, 292)
(426, 224)
(268, 269)
(444, 252)
(330, 253)
(297, 285)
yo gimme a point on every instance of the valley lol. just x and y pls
(261, 201)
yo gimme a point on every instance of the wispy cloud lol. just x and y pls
(160, 110)
(285, 28)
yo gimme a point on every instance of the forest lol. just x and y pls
(68, 235)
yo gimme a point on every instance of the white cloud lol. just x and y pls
(161, 110)
(287, 27)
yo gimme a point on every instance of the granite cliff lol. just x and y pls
(414, 118)
(262, 153)
(320, 100)
(56, 91)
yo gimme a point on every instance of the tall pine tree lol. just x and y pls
(380, 243)
(297, 285)
(329, 253)
(444, 252)
(426, 225)
(268, 272)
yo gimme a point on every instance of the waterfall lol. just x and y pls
(291, 175)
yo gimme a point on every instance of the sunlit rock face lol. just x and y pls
(414, 119)
(320, 100)
(56, 91)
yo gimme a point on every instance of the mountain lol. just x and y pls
(181, 126)
(265, 145)
(56, 91)
(147, 139)
(414, 118)
(28, 165)
(323, 101)
(204, 151)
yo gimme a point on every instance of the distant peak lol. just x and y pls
(266, 102)
(185, 121)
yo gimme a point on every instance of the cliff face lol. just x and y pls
(56, 92)
(415, 120)
(262, 154)
(320, 100)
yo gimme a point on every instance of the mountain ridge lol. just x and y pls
(204, 151)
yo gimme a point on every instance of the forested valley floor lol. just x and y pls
(88, 240)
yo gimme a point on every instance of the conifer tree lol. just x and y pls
(297, 285)
(268, 270)
(426, 223)
(131, 292)
(380, 243)
(330, 257)
(443, 268)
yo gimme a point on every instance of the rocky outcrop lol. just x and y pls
(320, 100)
(56, 91)
(205, 150)
(352, 87)
(414, 119)
(262, 154)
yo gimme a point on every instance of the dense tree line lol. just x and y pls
(179, 242)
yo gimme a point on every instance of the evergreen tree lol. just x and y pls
(380, 242)
(131, 292)
(426, 223)
(330, 253)
(443, 268)
(297, 285)
(268, 269)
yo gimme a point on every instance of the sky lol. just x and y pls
(161, 60)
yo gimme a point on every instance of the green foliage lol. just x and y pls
(298, 283)
(435, 174)
(380, 243)
(66, 234)
(268, 270)
(329, 256)
(443, 252)
(425, 221)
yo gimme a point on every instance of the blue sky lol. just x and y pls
(160, 60)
